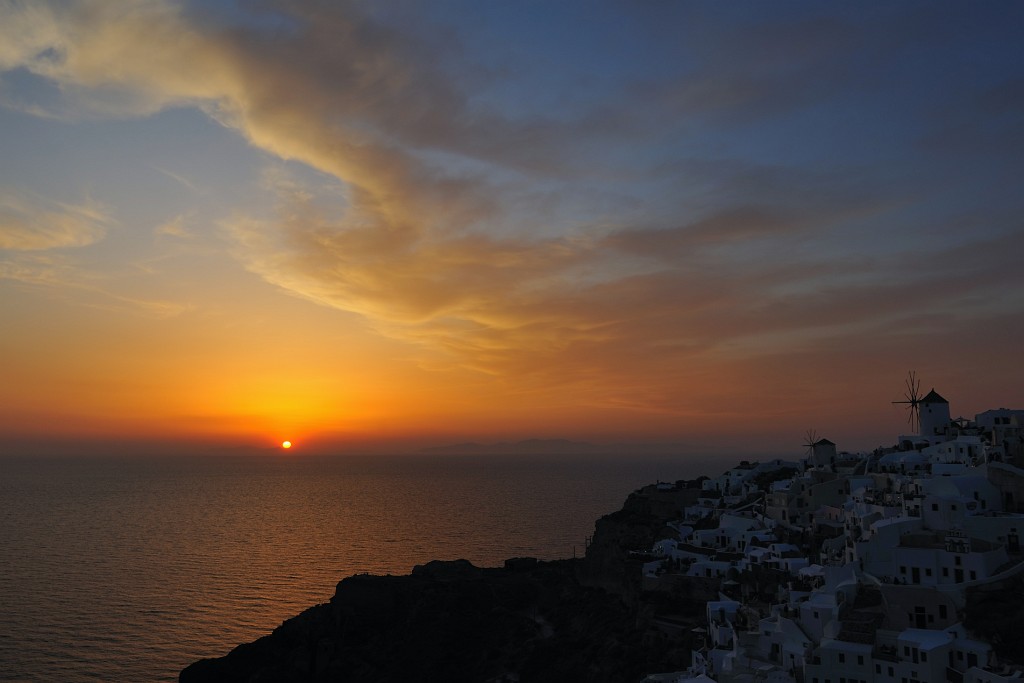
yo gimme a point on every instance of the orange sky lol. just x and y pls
(324, 224)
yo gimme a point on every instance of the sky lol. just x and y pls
(396, 224)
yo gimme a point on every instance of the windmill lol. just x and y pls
(913, 400)
(812, 438)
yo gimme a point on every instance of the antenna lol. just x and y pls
(812, 438)
(913, 400)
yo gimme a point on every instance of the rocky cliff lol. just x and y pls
(569, 620)
(642, 520)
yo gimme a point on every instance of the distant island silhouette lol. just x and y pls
(528, 446)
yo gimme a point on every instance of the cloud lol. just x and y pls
(181, 179)
(30, 29)
(33, 269)
(175, 227)
(38, 238)
(55, 273)
(29, 223)
(392, 272)
(564, 312)
(759, 206)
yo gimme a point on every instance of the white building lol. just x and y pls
(930, 558)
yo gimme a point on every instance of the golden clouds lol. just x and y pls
(29, 29)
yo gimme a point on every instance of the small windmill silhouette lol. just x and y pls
(913, 400)
(812, 438)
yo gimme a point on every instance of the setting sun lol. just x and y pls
(286, 444)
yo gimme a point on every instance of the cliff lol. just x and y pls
(642, 520)
(568, 620)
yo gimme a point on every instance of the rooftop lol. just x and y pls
(926, 639)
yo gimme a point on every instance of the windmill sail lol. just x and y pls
(912, 399)
(812, 438)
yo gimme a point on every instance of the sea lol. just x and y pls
(129, 569)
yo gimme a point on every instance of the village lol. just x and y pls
(856, 568)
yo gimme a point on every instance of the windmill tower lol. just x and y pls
(912, 400)
(934, 416)
(824, 453)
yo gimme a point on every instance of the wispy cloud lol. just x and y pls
(39, 239)
(175, 227)
(30, 223)
(62, 278)
(185, 182)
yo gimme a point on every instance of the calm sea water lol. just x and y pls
(119, 569)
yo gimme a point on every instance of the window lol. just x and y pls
(935, 507)
(842, 660)
(860, 659)
(903, 570)
(953, 507)
(878, 668)
(945, 571)
(927, 572)
(924, 656)
(942, 611)
(974, 575)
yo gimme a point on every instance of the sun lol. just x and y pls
(286, 445)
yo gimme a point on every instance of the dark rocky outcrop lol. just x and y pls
(642, 520)
(450, 622)
(568, 620)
